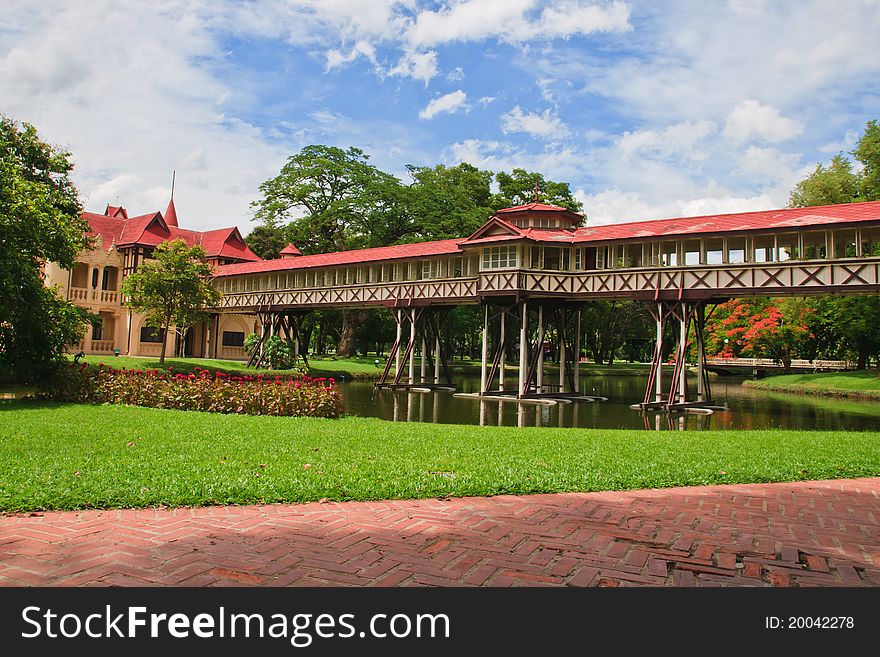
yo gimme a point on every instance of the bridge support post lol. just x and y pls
(502, 345)
(411, 348)
(539, 383)
(577, 353)
(484, 365)
(522, 388)
(687, 314)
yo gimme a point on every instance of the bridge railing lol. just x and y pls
(799, 363)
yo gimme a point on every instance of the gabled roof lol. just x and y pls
(495, 227)
(339, 258)
(290, 251)
(541, 207)
(152, 229)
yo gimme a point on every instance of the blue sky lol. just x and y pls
(648, 109)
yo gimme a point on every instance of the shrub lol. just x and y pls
(200, 391)
(278, 352)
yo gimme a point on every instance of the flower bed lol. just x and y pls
(201, 391)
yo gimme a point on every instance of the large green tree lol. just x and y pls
(518, 188)
(173, 289)
(266, 241)
(851, 322)
(330, 199)
(40, 221)
(449, 202)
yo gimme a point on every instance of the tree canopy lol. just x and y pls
(840, 182)
(40, 221)
(173, 289)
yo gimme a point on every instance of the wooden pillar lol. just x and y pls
(561, 332)
(539, 383)
(412, 346)
(437, 358)
(682, 354)
(699, 318)
(501, 345)
(424, 371)
(658, 389)
(484, 364)
(523, 349)
(577, 354)
(399, 343)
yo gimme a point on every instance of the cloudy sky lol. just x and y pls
(649, 109)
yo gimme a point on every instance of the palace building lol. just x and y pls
(121, 244)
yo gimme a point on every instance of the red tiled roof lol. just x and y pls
(291, 250)
(536, 207)
(151, 230)
(357, 256)
(793, 218)
(171, 214)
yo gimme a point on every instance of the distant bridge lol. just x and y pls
(758, 365)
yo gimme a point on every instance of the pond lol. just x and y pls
(748, 408)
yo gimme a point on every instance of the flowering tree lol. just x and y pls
(760, 328)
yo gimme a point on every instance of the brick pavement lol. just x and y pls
(799, 534)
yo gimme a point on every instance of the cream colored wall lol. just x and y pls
(97, 301)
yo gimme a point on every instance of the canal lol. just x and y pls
(748, 408)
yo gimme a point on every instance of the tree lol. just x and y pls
(847, 322)
(266, 241)
(173, 289)
(836, 183)
(40, 221)
(518, 188)
(328, 199)
(449, 202)
(867, 151)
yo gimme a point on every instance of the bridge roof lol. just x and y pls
(341, 258)
(792, 218)
(764, 220)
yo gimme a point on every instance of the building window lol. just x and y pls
(499, 257)
(152, 334)
(233, 339)
(98, 329)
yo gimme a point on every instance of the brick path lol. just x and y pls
(801, 534)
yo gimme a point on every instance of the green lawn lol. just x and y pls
(65, 456)
(863, 384)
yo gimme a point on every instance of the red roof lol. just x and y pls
(537, 207)
(357, 256)
(290, 250)
(152, 230)
(791, 218)
(171, 214)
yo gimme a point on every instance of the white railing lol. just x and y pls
(799, 363)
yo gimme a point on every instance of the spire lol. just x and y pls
(170, 211)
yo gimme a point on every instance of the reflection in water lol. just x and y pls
(749, 409)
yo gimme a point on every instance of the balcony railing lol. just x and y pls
(93, 296)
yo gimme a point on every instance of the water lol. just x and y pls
(748, 408)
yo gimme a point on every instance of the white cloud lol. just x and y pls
(455, 74)
(336, 58)
(485, 101)
(752, 119)
(418, 66)
(545, 125)
(132, 112)
(679, 139)
(510, 21)
(556, 163)
(451, 102)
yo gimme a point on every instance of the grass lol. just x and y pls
(67, 456)
(862, 384)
